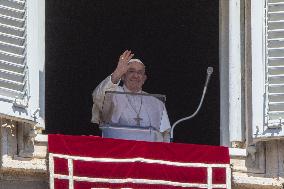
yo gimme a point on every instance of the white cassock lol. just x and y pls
(124, 109)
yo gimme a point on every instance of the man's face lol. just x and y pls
(135, 77)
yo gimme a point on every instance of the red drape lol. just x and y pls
(97, 147)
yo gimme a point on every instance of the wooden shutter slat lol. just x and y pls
(12, 49)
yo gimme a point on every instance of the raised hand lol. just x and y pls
(122, 66)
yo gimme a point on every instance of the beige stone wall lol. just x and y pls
(23, 150)
(24, 160)
(259, 166)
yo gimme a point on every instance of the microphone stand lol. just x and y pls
(209, 73)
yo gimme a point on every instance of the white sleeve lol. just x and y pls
(165, 122)
(98, 97)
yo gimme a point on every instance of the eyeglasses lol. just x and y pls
(139, 72)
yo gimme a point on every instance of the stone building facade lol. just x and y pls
(250, 51)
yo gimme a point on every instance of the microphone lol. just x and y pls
(209, 73)
(209, 70)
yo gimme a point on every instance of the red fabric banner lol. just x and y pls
(133, 164)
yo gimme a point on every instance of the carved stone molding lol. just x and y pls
(255, 159)
(8, 136)
(27, 134)
(17, 138)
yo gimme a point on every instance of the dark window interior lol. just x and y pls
(176, 39)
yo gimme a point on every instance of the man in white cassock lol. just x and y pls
(135, 110)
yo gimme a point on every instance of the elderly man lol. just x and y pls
(129, 109)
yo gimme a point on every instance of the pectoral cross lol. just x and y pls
(138, 119)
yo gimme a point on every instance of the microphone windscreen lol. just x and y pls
(209, 70)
